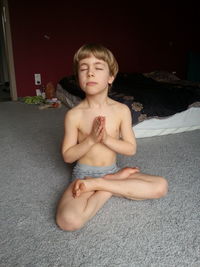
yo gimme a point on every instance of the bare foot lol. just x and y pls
(79, 187)
(83, 185)
(123, 173)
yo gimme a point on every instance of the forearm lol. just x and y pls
(76, 152)
(120, 146)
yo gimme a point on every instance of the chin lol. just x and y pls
(92, 92)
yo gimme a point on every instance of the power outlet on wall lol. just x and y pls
(37, 78)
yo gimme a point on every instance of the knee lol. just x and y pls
(68, 222)
(162, 187)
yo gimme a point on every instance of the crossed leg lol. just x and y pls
(73, 213)
(83, 198)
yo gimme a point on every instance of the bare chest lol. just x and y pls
(86, 123)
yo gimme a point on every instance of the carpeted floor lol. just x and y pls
(125, 233)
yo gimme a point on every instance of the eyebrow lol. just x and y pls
(96, 63)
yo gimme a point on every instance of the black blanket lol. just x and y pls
(144, 96)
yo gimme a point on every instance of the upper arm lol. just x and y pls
(70, 131)
(126, 128)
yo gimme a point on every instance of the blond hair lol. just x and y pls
(100, 52)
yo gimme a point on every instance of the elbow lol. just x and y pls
(132, 151)
(67, 159)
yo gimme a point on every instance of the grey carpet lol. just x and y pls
(125, 233)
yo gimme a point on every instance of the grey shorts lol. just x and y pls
(82, 170)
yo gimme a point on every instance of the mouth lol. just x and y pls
(91, 83)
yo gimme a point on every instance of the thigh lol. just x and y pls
(147, 177)
(156, 184)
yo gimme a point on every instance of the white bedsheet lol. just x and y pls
(187, 120)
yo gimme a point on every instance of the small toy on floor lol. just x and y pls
(51, 103)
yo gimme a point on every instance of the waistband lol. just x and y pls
(82, 170)
(86, 167)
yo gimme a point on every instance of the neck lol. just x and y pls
(97, 101)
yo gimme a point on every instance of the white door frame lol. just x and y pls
(9, 49)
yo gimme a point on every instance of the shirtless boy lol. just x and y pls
(95, 131)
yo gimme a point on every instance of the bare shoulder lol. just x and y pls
(124, 108)
(74, 114)
(120, 107)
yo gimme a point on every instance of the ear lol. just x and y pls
(111, 79)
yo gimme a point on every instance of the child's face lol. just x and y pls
(94, 75)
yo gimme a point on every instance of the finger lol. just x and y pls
(99, 129)
(103, 120)
(100, 138)
(96, 125)
(97, 119)
(100, 120)
(103, 124)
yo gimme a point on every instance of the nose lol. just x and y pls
(90, 73)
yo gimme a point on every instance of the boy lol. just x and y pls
(95, 131)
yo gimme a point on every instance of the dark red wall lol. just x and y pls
(153, 36)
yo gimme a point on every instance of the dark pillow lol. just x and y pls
(69, 83)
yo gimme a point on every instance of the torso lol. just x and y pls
(99, 154)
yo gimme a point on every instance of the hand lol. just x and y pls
(103, 131)
(97, 130)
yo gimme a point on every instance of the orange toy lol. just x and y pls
(50, 90)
